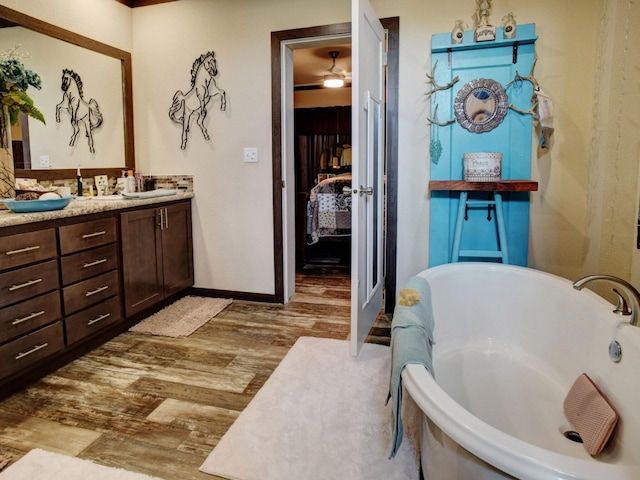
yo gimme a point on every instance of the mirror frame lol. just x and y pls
(501, 105)
(59, 33)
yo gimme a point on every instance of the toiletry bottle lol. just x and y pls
(130, 183)
(79, 180)
(120, 183)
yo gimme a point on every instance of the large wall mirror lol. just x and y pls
(106, 75)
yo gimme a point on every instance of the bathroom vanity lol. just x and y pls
(74, 278)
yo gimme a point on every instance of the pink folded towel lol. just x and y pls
(590, 413)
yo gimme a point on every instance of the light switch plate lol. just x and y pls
(251, 155)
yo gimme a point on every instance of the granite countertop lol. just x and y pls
(85, 207)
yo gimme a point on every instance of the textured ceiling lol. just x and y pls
(311, 64)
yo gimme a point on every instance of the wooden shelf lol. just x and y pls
(499, 186)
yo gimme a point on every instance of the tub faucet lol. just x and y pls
(621, 307)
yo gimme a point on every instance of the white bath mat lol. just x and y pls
(42, 465)
(321, 415)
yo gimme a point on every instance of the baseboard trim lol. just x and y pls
(247, 296)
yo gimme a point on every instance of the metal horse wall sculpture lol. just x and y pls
(83, 114)
(195, 101)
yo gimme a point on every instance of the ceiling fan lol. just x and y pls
(336, 76)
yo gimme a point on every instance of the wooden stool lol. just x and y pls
(495, 203)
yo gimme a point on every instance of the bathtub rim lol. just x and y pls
(503, 451)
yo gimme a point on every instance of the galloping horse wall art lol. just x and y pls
(196, 101)
(82, 113)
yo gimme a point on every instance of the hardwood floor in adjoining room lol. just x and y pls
(159, 405)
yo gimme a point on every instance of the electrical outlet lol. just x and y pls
(251, 155)
(45, 162)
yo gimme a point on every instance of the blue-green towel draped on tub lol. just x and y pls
(411, 342)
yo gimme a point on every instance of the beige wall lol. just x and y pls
(322, 98)
(570, 226)
(107, 21)
(615, 150)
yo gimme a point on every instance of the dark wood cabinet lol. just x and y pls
(177, 249)
(30, 311)
(90, 277)
(141, 253)
(25, 351)
(157, 254)
(26, 248)
(69, 284)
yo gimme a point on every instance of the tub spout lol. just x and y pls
(630, 290)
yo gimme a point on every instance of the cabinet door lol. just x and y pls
(141, 259)
(177, 247)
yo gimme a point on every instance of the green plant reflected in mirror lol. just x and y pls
(481, 105)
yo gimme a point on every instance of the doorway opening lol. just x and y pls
(322, 167)
(283, 44)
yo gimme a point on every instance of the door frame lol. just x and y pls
(392, 25)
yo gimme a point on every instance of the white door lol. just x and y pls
(367, 137)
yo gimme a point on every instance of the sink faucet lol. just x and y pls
(621, 308)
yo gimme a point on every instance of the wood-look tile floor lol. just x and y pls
(159, 405)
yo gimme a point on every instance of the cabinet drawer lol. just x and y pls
(25, 351)
(19, 319)
(28, 282)
(92, 319)
(81, 236)
(26, 248)
(89, 263)
(89, 292)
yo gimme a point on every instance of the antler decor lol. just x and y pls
(437, 88)
(541, 106)
(435, 120)
(536, 88)
(433, 82)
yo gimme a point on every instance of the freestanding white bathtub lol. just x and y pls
(510, 341)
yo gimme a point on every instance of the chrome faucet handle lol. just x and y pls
(621, 307)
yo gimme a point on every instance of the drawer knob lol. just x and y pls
(93, 264)
(18, 321)
(22, 250)
(26, 284)
(33, 350)
(97, 290)
(96, 320)
(95, 234)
